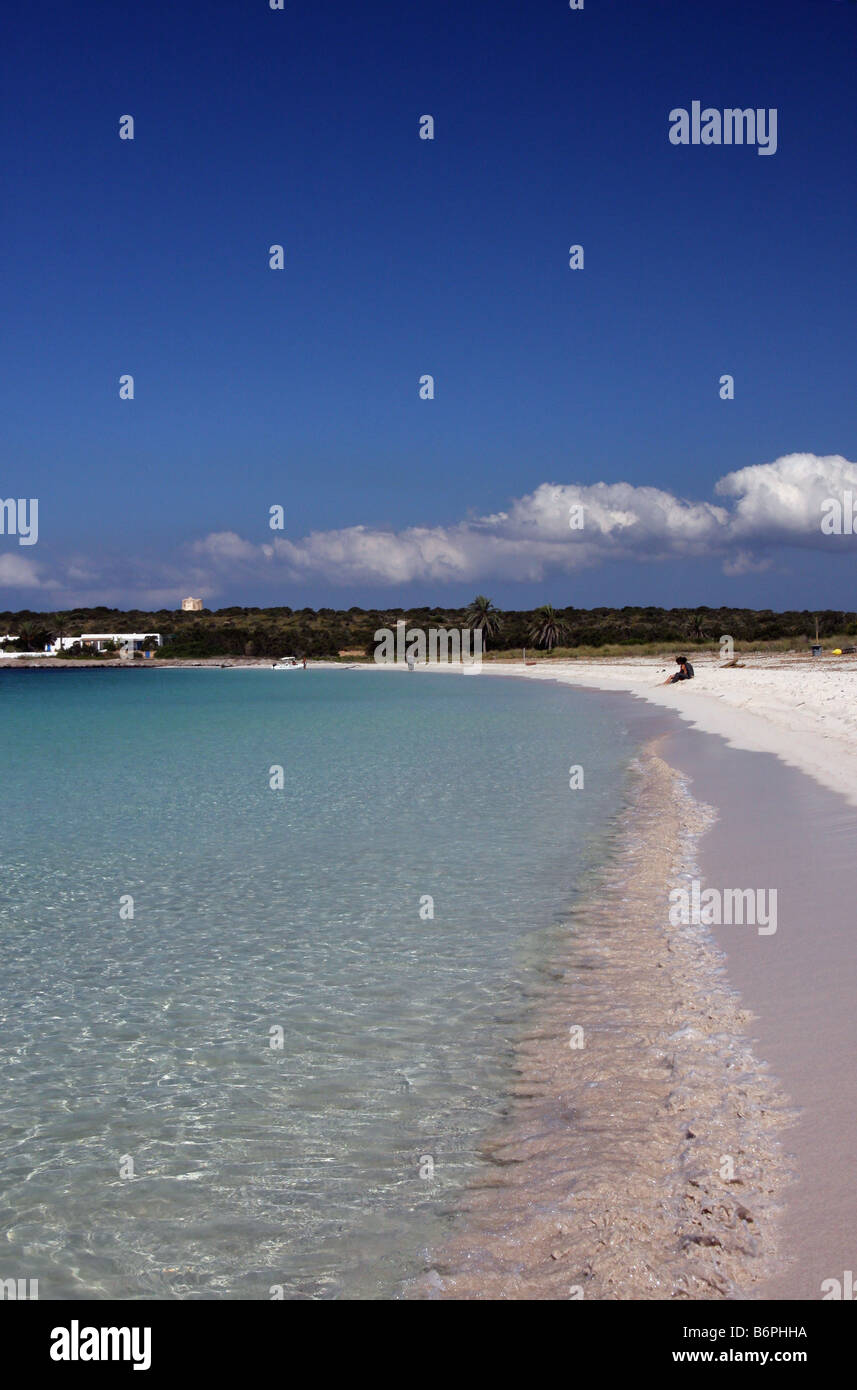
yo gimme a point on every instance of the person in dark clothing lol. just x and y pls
(684, 672)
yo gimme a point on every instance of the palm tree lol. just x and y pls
(696, 628)
(26, 635)
(483, 616)
(547, 629)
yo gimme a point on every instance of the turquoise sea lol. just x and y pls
(273, 1078)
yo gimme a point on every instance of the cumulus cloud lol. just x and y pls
(781, 502)
(768, 504)
(757, 510)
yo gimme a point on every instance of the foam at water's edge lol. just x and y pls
(646, 1163)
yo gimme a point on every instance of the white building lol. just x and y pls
(191, 605)
(129, 642)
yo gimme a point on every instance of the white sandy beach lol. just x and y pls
(799, 708)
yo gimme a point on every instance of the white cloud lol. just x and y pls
(758, 509)
(781, 501)
(767, 505)
(531, 538)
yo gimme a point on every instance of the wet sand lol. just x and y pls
(702, 1143)
(779, 828)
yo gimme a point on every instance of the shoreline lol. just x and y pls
(635, 1078)
(804, 715)
(773, 747)
(781, 771)
(775, 752)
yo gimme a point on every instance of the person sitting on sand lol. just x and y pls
(684, 672)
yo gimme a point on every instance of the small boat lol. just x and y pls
(287, 663)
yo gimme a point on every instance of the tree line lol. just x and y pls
(326, 632)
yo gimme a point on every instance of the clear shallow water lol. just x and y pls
(257, 909)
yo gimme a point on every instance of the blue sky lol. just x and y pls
(300, 387)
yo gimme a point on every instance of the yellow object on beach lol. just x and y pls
(837, 651)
